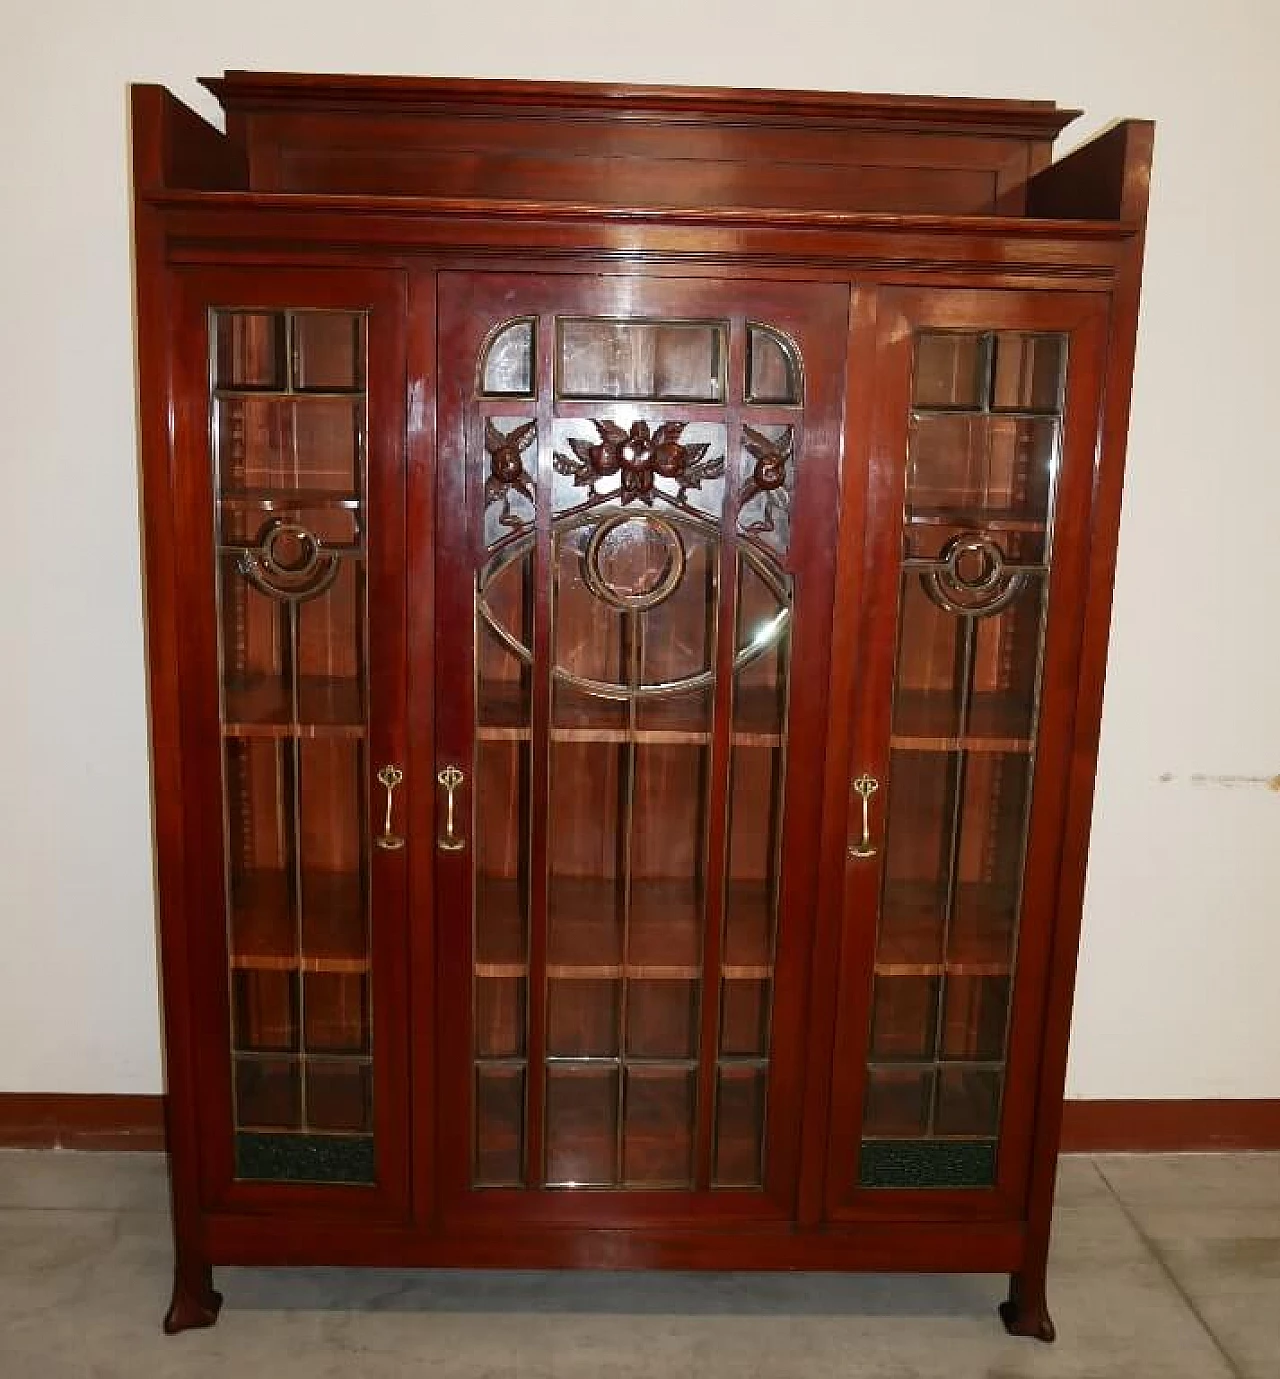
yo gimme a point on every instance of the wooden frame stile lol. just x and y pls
(364, 192)
(422, 501)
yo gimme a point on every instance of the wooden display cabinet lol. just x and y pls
(628, 572)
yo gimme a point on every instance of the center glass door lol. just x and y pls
(637, 488)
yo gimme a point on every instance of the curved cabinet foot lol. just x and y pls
(1026, 1313)
(195, 1302)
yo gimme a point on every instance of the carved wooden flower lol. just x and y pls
(506, 468)
(637, 456)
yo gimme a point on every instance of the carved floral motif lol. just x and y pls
(769, 476)
(507, 473)
(638, 457)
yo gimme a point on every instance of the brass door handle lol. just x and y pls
(451, 841)
(389, 777)
(865, 786)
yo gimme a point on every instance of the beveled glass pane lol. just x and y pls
(667, 858)
(745, 1010)
(261, 882)
(967, 681)
(583, 1016)
(662, 1019)
(337, 1006)
(268, 1093)
(898, 1102)
(655, 360)
(507, 368)
(773, 367)
(738, 1157)
(249, 349)
(976, 1018)
(677, 635)
(968, 1101)
(590, 783)
(951, 369)
(499, 1017)
(594, 640)
(904, 1018)
(331, 807)
(289, 444)
(499, 1131)
(917, 858)
(339, 1095)
(984, 465)
(582, 1126)
(1030, 372)
(328, 351)
(657, 1145)
(265, 1011)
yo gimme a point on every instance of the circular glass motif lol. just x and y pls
(975, 563)
(634, 561)
(289, 549)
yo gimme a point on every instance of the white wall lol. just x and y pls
(1182, 939)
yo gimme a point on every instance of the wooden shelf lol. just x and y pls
(924, 721)
(262, 707)
(911, 931)
(264, 927)
(975, 517)
(273, 499)
(585, 932)
(502, 716)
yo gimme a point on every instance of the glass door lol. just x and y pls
(638, 486)
(983, 446)
(289, 439)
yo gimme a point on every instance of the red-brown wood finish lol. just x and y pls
(377, 194)
(814, 317)
(1081, 317)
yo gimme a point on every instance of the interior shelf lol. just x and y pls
(502, 716)
(270, 499)
(262, 707)
(264, 935)
(585, 931)
(980, 942)
(975, 517)
(925, 720)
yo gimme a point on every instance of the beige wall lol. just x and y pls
(1182, 936)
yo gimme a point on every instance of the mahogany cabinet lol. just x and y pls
(628, 572)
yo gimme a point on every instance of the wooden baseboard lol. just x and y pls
(1169, 1127)
(53, 1120)
(60, 1121)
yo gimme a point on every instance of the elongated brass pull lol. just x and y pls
(865, 786)
(450, 778)
(389, 777)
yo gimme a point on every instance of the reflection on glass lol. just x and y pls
(500, 843)
(507, 370)
(981, 477)
(773, 367)
(288, 459)
(662, 361)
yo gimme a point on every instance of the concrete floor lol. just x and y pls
(1164, 1268)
